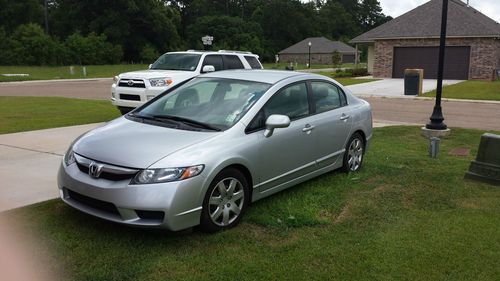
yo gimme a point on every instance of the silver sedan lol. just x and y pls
(200, 153)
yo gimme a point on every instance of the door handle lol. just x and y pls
(344, 117)
(307, 129)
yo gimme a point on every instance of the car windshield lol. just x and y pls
(177, 61)
(206, 103)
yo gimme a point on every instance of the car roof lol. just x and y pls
(257, 75)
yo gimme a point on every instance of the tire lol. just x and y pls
(223, 208)
(354, 153)
(124, 110)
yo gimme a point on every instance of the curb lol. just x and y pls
(429, 98)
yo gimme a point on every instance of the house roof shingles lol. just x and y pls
(425, 22)
(319, 45)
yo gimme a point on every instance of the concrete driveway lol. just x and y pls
(29, 162)
(393, 87)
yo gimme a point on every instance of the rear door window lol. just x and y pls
(232, 62)
(253, 62)
(326, 96)
(215, 60)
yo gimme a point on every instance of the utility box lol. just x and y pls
(413, 82)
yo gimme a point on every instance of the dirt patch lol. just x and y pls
(344, 215)
(477, 203)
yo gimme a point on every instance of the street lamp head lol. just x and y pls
(309, 44)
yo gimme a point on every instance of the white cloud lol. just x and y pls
(395, 8)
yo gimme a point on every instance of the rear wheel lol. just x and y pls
(225, 201)
(353, 157)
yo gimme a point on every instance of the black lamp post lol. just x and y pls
(437, 118)
(309, 44)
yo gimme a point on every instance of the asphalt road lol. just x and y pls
(84, 89)
(484, 116)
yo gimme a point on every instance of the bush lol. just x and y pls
(93, 49)
(350, 72)
(29, 45)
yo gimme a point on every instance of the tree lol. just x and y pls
(129, 23)
(284, 22)
(230, 33)
(14, 13)
(336, 59)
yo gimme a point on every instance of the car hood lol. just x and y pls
(136, 145)
(156, 73)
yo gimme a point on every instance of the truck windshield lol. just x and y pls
(186, 62)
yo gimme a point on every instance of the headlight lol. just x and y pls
(69, 157)
(116, 79)
(160, 82)
(166, 175)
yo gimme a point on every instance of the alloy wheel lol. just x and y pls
(355, 154)
(226, 201)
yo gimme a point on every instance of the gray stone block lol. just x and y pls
(486, 166)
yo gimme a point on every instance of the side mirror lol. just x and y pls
(207, 68)
(149, 67)
(275, 121)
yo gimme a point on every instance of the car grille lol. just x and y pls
(132, 83)
(93, 203)
(106, 175)
(130, 97)
(108, 172)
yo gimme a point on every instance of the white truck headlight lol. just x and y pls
(116, 79)
(160, 82)
(148, 176)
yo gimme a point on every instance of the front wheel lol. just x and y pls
(125, 110)
(353, 157)
(225, 201)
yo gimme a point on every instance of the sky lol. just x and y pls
(395, 8)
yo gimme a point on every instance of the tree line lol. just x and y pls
(59, 32)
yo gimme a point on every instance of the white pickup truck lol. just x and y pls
(132, 89)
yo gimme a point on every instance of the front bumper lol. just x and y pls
(174, 205)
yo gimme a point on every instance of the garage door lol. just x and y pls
(348, 58)
(456, 61)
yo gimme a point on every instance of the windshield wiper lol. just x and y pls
(188, 121)
(149, 117)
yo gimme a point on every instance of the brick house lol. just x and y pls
(322, 50)
(412, 39)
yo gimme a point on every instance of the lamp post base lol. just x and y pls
(430, 133)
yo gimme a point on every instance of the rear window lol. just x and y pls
(232, 62)
(253, 62)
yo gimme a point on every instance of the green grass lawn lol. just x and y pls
(19, 114)
(62, 72)
(405, 216)
(347, 81)
(303, 66)
(471, 90)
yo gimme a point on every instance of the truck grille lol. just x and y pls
(130, 97)
(132, 83)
